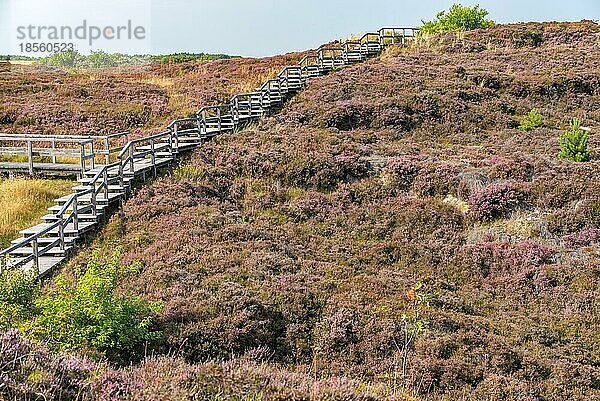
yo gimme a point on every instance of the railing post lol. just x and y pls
(61, 231)
(82, 156)
(219, 118)
(94, 200)
(76, 215)
(131, 160)
(105, 180)
(53, 153)
(30, 156)
(176, 137)
(121, 172)
(93, 155)
(153, 157)
(36, 257)
(107, 148)
(235, 115)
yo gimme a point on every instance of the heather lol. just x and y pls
(28, 371)
(138, 97)
(389, 234)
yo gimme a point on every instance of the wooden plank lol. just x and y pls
(49, 152)
(39, 167)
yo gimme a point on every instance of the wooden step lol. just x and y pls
(111, 188)
(56, 251)
(69, 229)
(46, 264)
(100, 198)
(87, 180)
(99, 208)
(46, 240)
(51, 218)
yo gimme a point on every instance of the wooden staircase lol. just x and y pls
(101, 188)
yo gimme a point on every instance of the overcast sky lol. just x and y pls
(259, 27)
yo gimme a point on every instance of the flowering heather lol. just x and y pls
(28, 371)
(120, 99)
(287, 253)
(493, 201)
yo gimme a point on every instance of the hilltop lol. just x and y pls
(389, 234)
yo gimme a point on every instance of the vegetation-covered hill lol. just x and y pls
(390, 234)
(37, 99)
(42, 99)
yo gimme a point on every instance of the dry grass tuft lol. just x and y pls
(24, 201)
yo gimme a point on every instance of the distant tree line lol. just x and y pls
(101, 59)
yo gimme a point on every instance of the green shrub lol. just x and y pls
(574, 143)
(531, 121)
(69, 59)
(528, 38)
(458, 18)
(17, 294)
(100, 59)
(185, 57)
(90, 314)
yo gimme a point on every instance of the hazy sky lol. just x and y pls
(249, 27)
(266, 27)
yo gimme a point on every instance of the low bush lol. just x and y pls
(494, 201)
(89, 313)
(17, 294)
(322, 171)
(437, 180)
(401, 172)
(531, 121)
(574, 143)
(458, 18)
(348, 116)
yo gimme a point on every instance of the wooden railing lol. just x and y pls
(144, 148)
(36, 253)
(80, 152)
(71, 153)
(135, 157)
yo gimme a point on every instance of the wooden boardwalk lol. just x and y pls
(104, 183)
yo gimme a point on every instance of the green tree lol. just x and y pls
(89, 313)
(458, 18)
(100, 59)
(531, 121)
(574, 143)
(68, 59)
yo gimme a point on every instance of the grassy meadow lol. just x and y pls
(24, 201)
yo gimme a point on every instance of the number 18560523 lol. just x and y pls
(43, 47)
